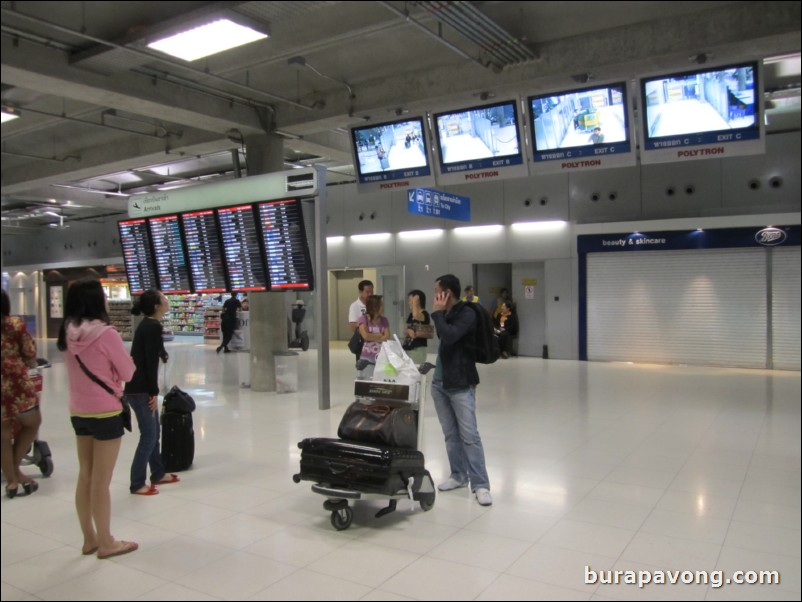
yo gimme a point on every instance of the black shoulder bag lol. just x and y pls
(126, 413)
(356, 343)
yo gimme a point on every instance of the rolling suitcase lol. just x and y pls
(178, 441)
(363, 467)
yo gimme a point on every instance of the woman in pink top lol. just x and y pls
(375, 329)
(95, 412)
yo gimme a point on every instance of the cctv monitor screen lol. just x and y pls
(478, 138)
(705, 106)
(587, 122)
(391, 151)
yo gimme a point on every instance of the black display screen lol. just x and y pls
(241, 249)
(204, 251)
(135, 242)
(286, 251)
(171, 261)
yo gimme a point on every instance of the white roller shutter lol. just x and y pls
(699, 307)
(785, 304)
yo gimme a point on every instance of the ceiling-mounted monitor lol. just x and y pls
(585, 128)
(137, 255)
(713, 112)
(391, 154)
(479, 143)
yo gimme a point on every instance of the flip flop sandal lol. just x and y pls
(126, 548)
(30, 487)
(151, 491)
(167, 479)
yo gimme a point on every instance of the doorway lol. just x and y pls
(344, 288)
(525, 281)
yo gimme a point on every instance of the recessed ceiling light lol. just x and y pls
(207, 39)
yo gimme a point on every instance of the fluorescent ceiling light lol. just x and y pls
(420, 234)
(207, 40)
(472, 230)
(9, 114)
(371, 237)
(334, 239)
(549, 226)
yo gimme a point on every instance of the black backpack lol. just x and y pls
(486, 347)
(178, 401)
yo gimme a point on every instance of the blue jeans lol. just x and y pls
(147, 452)
(456, 409)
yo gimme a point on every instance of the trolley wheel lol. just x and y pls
(304, 341)
(427, 503)
(46, 466)
(341, 519)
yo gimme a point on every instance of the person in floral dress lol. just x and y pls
(20, 416)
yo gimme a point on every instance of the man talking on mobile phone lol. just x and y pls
(454, 390)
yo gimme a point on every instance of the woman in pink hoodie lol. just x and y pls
(95, 409)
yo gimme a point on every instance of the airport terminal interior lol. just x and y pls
(609, 466)
(630, 170)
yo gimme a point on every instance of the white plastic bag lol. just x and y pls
(394, 365)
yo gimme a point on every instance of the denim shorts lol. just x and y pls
(102, 429)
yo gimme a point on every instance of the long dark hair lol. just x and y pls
(147, 303)
(85, 301)
(6, 303)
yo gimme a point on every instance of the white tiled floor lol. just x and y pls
(611, 466)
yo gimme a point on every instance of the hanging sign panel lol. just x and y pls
(435, 203)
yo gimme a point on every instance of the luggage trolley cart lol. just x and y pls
(346, 471)
(39, 454)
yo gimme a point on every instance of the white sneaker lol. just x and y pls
(450, 484)
(483, 497)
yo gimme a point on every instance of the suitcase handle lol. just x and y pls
(337, 467)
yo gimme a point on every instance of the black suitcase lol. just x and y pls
(178, 441)
(361, 467)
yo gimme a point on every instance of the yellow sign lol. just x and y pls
(529, 281)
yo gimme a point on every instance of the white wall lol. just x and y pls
(740, 191)
(532, 315)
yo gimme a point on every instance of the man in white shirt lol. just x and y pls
(357, 309)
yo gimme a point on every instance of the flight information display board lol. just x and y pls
(204, 252)
(137, 254)
(171, 261)
(241, 249)
(286, 251)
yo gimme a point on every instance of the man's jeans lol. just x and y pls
(456, 409)
(148, 450)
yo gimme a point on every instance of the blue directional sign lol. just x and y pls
(434, 203)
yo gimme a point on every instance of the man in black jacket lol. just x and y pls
(454, 390)
(228, 321)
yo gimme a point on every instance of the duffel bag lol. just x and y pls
(384, 423)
